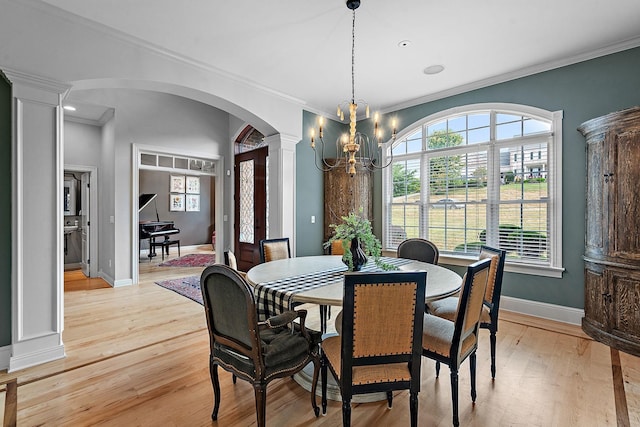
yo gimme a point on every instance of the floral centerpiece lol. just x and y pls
(358, 242)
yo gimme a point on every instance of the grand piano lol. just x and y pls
(154, 229)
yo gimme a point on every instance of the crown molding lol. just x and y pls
(523, 72)
(16, 76)
(151, 47)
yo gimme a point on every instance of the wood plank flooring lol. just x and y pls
(138, 356)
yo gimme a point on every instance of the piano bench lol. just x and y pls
(164, 246)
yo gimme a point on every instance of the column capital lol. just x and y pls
(16, 76)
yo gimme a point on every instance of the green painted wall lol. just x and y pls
(583, 91)
(309, 186)
(5, 213)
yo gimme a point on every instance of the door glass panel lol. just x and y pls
(247, 219)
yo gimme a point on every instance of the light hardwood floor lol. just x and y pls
(138, 356)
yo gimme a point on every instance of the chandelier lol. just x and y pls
(354, 147)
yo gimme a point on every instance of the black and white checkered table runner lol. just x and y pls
(274, 297)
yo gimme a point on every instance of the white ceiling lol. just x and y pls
(302, 48)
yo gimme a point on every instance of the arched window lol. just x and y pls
(480, 174)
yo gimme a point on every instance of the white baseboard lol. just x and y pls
(5, 356)
(543, 310)
(36, 358)
(106, 277)
(122, 282)
(113, 282)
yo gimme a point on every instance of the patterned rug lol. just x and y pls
(185, 286)
(191, 260)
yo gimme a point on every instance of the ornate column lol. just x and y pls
(281, 184)
(37, 273)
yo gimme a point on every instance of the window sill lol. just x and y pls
(511, 267)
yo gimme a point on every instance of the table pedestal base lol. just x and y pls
(305, 379)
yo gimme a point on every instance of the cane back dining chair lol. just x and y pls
(446, 308)
(258, 352)
(273, 249)
(419, 250)
(379, 348)
(453, 342)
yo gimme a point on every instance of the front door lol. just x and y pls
(250, 200)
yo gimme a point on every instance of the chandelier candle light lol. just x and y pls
(355, 146)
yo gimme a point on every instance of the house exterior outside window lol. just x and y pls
(468, 176)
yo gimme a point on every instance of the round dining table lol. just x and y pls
(324, 275)
(441, 282)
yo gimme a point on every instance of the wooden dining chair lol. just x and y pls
(453, 342)
(231, 261)
(446, 308)
(419, 250)
(379, 347)
(274, 249)
(257, 352)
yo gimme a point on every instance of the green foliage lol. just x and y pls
(514, 239)
(504, 230)
(356, 226)
(469, 247)
(444, 170)
(405, 181)
(509, 177)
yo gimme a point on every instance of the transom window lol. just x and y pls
(484, 174)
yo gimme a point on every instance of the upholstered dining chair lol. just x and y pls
(446, 308)
(273, 249)
(258, 352)
(336, 248)
(231, 261)
(453, 342)
(379, 347)
(419, 250)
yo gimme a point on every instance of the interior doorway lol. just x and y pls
(80, 219)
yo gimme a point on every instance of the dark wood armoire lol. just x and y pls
(612, 239)
(344, 193)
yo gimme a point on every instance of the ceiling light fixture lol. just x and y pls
(69, 108)
(354, 147)
(433, 69)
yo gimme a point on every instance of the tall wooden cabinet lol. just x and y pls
(612, 240)
(344, 193)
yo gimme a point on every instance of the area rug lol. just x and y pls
(185, 286)
(191, 260)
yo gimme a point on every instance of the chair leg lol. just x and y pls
(234, 378)
(472, 372)
(314, 386)
(213, 371)
(260, 390)
(346, 411)
(323, 372)
(413, 406)
(323, 318)
(389, 399)
(454, 396)
(492, 338)
(437, 369)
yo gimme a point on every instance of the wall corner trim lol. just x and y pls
(5, 356)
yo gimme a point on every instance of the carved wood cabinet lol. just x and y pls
(612, 240)
(344, 193)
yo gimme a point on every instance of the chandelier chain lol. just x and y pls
(355, 147)
(353, 58)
